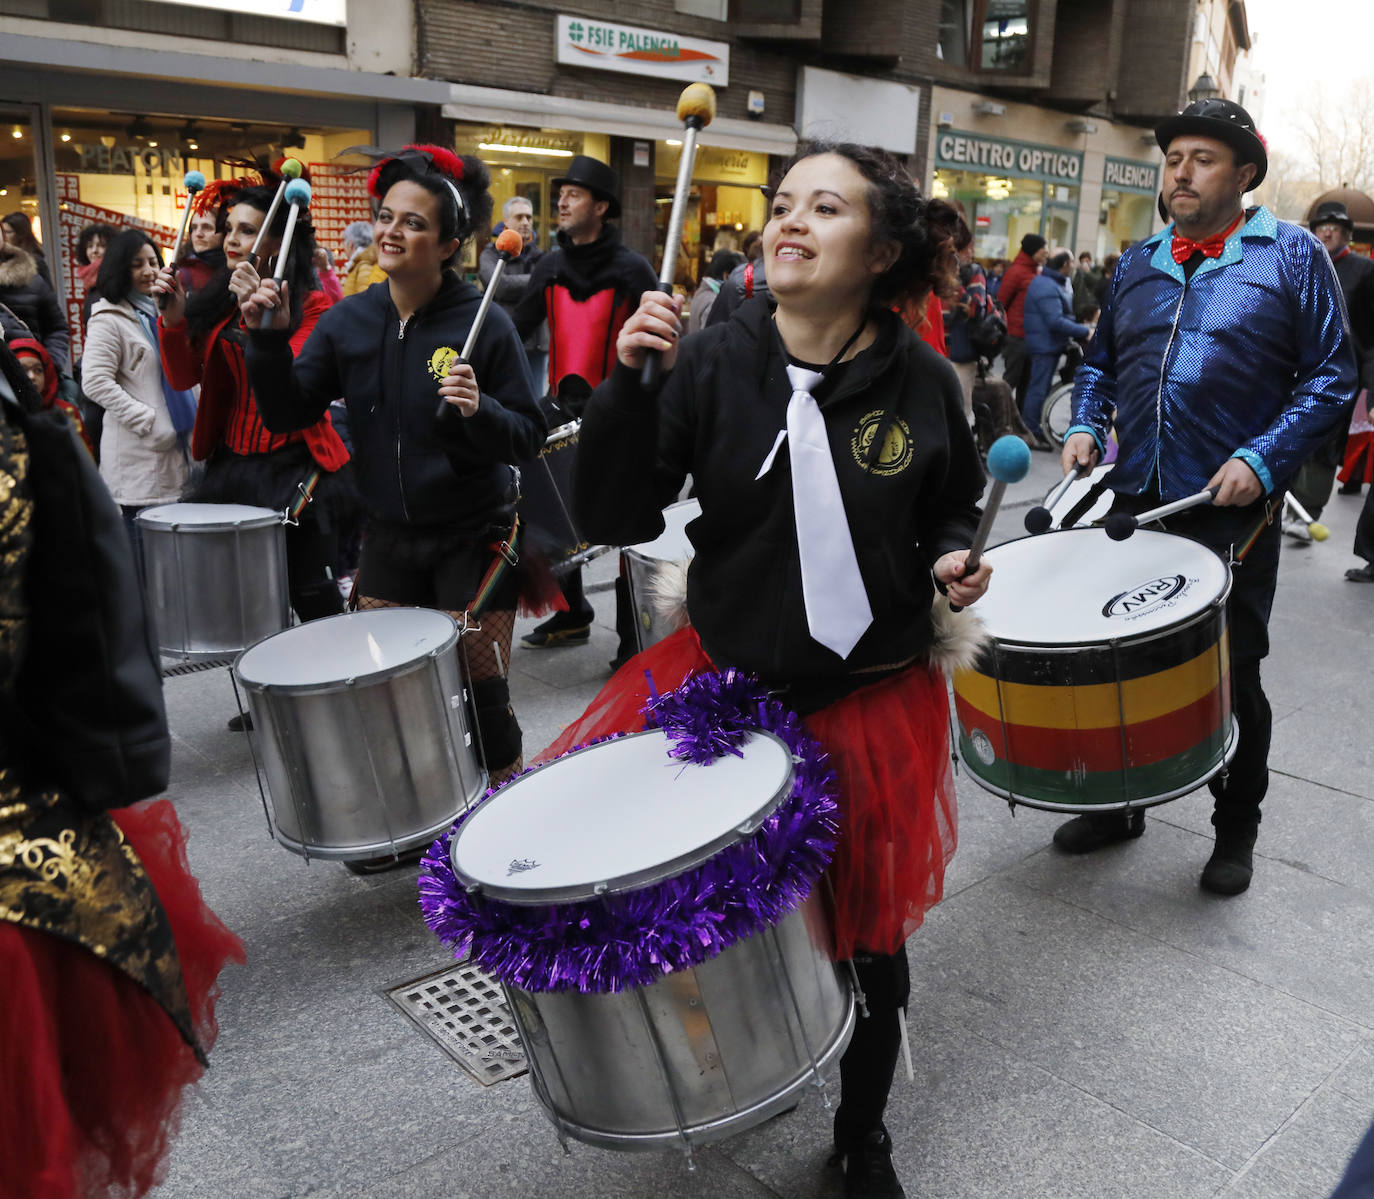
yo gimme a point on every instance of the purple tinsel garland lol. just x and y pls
(630, 940)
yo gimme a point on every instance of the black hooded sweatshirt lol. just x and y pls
(908, 471)
(454, 473)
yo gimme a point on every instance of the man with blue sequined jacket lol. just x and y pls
(1223, 356)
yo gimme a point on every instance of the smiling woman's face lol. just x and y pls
(406, 232)
(819, 238)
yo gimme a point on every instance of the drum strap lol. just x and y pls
(1238, 554)
(305, 493)
(505, 556)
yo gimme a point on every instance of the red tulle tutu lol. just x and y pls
(92, 1068)
(889, 746)
(1359, 459)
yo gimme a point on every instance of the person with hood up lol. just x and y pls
(43, 374)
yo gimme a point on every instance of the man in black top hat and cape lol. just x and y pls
(586, 287)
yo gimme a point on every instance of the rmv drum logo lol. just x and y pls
(1145, 597)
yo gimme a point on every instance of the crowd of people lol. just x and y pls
(839, 490)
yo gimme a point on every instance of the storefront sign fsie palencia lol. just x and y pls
(638, 50)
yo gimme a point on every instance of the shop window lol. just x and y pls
(128, 171)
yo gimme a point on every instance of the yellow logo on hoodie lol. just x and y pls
(896, 452)
(439, 362)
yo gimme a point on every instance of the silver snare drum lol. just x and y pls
(215, 575)
(363, 733)
(701, 1053)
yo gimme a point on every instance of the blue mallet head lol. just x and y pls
(297, 192)
(194, 182)
(1009, 459)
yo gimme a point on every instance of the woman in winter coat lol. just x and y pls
(31, 298)
(435, 439)
(19, 232)
(141, 458)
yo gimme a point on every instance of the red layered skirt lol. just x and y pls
(92, 1069)
(889, 747)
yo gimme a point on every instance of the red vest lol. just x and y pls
(582, 334)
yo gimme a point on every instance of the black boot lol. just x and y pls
(867, 1162)
(1096, 830)
(1232, 862)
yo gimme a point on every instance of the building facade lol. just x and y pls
(107, 104)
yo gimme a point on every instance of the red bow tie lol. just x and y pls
(1211, 247)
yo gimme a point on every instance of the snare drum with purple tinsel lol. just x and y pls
(650, 904)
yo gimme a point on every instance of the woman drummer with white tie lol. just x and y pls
(839, 486)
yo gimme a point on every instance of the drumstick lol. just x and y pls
(1319, 531)
(508, 246)
(297, 194)
(1039, 518)
(290, 169)
(696, 108)
(1008, 461)
(194, 183)
(1120, 525)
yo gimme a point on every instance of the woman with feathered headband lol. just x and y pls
(202, 341)
(439, 494)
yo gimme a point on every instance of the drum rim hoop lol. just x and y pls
(381, 675)
(1214, 608)
(1130, 639)
(620, 884)
(269, 517)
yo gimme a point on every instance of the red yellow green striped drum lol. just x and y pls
(1107, 681)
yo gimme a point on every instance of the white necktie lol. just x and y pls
(837, 609)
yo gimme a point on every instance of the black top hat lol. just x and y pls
(1331, 213)
(1224, 120)
(597, 178)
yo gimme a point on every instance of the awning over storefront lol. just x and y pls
(499, 106)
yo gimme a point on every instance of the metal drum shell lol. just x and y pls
(741, 1036)
(358, 769)
(1029, 715)
(652, 624)
(215, 587)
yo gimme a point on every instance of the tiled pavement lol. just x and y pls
(1094, 1027)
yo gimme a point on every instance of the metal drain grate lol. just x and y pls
(180, 668)
(465, 1012)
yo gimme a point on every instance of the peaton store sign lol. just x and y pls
(1001, 156)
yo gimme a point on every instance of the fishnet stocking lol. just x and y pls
(483, 653)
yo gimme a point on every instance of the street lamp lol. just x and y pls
(1204, 89)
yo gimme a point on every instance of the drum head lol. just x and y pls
(357, 645)
(208, 517)
(615, 817)
(1078, 586)
(672, 545)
